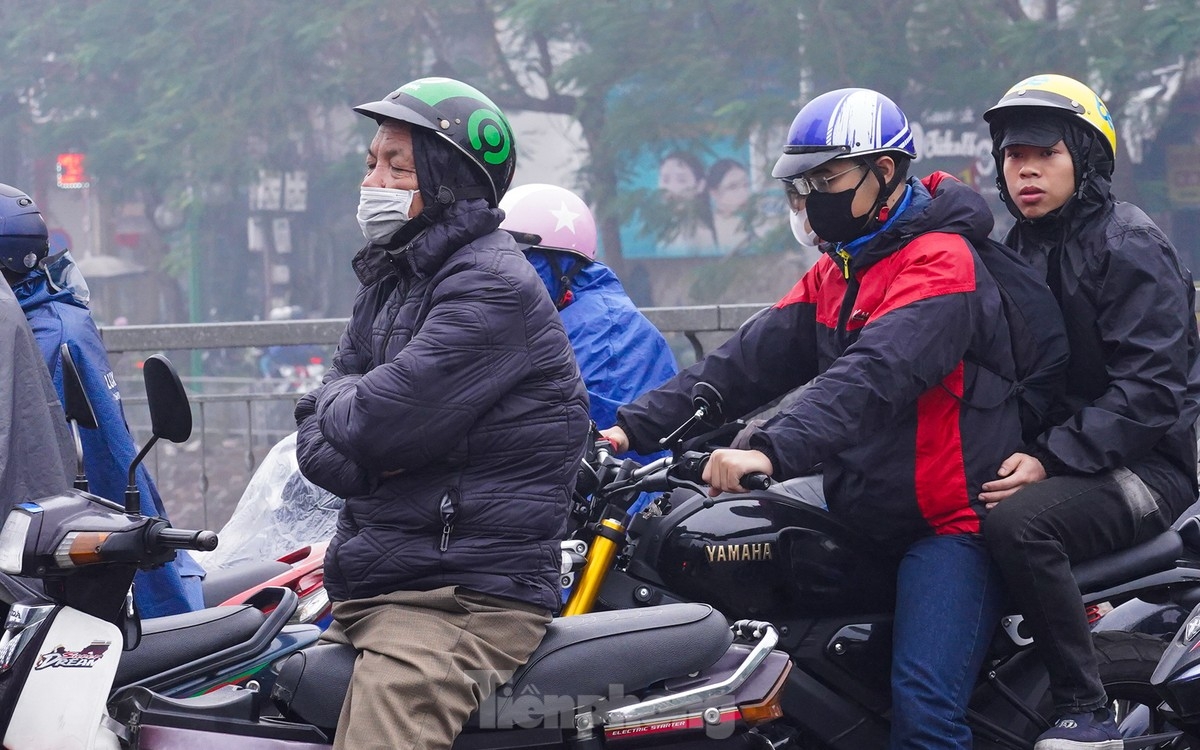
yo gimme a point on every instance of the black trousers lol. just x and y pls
(1037, 533)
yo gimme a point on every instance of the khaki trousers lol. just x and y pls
(427, 660)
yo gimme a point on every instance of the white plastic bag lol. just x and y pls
(280, 511)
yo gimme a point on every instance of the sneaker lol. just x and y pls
(1091, 731)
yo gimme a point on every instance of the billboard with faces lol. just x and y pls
(715, 197)
(706, 199)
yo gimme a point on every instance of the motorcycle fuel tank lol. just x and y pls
(766, 555)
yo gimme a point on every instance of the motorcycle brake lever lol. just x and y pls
(687, 470)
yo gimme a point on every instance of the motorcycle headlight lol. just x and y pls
(12, 539)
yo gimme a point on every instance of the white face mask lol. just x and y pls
(802, 230)
(383, 211)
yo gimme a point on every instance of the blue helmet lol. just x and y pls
(842, 123)
(24, 241)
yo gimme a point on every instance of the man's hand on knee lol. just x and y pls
(1018, 470)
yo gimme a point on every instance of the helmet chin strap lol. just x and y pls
(878, 215)
(563, 294)
(1087, 167)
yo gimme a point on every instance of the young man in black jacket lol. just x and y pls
(1117, 462)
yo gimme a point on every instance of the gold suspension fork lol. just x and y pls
(610, 537)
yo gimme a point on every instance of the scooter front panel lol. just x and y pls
(64, 695)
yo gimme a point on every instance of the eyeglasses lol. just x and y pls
(802, 187)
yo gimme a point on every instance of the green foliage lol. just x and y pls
(175, 93)
(211, 91)
(655, 74)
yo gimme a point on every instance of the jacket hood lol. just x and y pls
(445, 177)
(1093, 184)
(939, 203)
(460, 223)
(593, 278)
(955, 208)
(34, 290)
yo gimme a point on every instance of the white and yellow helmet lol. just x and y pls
(1061, 94)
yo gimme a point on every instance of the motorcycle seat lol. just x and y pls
(588, 657)
(1151, 556)
(169, 642)
(628, 649)
(221, 584)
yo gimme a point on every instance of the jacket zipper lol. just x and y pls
(845, 258)
(448, 513)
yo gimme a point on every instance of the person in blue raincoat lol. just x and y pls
(620, 353)
(54, 299)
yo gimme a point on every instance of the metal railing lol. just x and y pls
(691, 322)
(240, 414)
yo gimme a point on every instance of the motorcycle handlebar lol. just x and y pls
(751, 628)
(755, 481)
(200, 541)
(690, 467)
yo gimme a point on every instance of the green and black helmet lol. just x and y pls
(461, 115)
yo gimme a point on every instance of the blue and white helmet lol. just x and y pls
(841, 123)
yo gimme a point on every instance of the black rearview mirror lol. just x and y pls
(79, 410)
(170, 417)
(707, 402)
(707, 398)
(170, 413)
(76, 403)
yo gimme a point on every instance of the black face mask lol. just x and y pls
(831, 215)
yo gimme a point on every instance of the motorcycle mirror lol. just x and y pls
(720, 437)
(79, 410)
(707, 398)
(170, 412)
(170, 417)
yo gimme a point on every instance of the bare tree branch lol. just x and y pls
(517, 96)
(1012, 9)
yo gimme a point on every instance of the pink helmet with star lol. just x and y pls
(551, 217)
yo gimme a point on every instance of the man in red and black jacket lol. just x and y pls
(901, 331)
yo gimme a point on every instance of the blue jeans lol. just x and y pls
(948, 600)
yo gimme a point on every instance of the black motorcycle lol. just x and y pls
(1177, 679)
(830, 591)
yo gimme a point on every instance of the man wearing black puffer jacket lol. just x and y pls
(452, 422)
